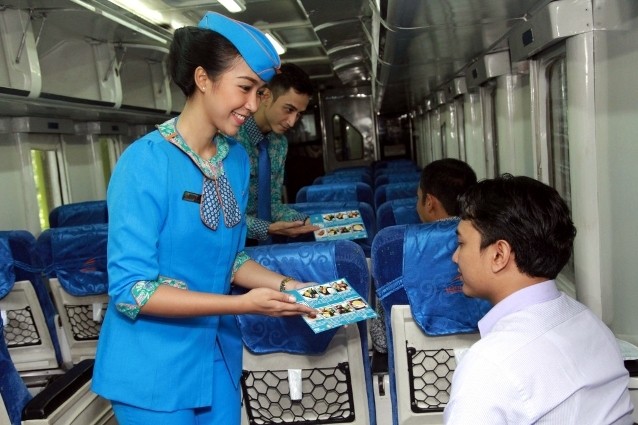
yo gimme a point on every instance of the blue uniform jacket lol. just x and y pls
(166, 363)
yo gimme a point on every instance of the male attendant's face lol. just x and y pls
(284, 112)
(473, 263)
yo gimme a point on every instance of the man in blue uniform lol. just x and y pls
(283, 101)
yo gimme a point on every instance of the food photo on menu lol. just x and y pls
(339, 225)
(337, 302)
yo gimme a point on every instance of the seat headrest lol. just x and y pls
(7, 276)
(78, 214)
(77, 257)
(308, 262)
(432, 282)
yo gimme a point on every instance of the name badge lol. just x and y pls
(192, 197)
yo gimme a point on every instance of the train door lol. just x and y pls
(349, 136)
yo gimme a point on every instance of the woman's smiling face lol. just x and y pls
(233, 97)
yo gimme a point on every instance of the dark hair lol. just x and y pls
(446, 179)
(530, 215)
(193, 47)
(290, 76)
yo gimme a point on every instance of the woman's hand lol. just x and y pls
(274, 303)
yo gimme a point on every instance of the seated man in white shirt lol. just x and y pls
(543, 357)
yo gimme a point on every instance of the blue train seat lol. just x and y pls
(343, 178)
(408, 176)
(362, 169)
(367, 214)
(28, 314)
(13, 391)
(353, 191)
(390, 191)
(74, 259)
(397, 211)
(28, 268)
(30, 396)
(427, 317)
(79, 213)
(334, 366)
(392, 163)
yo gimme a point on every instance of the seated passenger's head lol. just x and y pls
(515, 227)
(442, 181)
(285, 99)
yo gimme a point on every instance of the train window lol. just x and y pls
(444, 140)
(459, 106)
(474, 134)
(558, 137)
(489, 100)
(46, 166)
(348, 141)
(109, 147)
(514, 146)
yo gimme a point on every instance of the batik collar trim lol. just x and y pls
(213, 168)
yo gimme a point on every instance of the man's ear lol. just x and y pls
(266, 96)
(431, 202)
(502, 255)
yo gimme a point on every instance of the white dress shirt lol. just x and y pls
(543, 358)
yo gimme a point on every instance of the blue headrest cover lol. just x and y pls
(252, 44)
(332, 192)
(307, 262)
(80, 213)
(405, 212)
(431, 281)
(7, 276)
(401, 190)
(77, 257)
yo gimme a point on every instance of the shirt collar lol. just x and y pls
(534, 294)
(254, 133)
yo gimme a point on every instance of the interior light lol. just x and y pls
(134, 27)
(175, 24)
(84, 4)
(140, 9)
(278, 45)
(233, 6)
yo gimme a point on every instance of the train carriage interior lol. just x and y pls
(541, 88)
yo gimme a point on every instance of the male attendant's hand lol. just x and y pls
(290, 228)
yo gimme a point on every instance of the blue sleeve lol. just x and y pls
(138, 205)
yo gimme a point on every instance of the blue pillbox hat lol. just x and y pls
(252, 44)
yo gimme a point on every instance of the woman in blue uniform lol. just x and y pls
(170, 350)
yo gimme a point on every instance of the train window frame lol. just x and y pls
(474, 134)
(487, 93)
(459, 107)
(540, 68)
(51, 179)
(110, 149)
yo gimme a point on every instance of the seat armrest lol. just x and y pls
(58, 391)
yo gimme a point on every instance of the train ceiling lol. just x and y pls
(400, 50)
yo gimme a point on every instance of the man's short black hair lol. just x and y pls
(446, 179)
(530, 215)
(290, 76)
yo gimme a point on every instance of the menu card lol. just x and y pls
(337, 302)
(339, 225)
